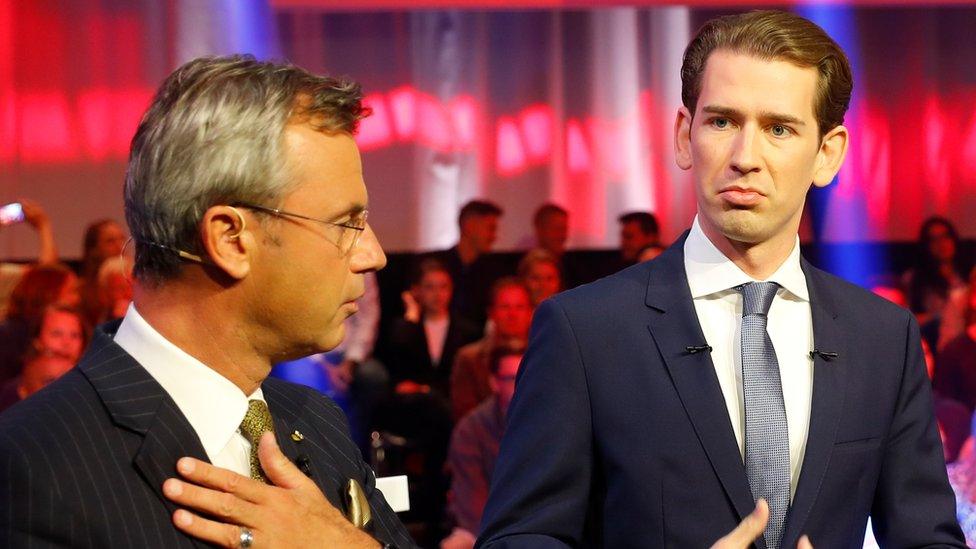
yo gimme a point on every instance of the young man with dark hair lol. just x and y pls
(472, 269)
(728, 385)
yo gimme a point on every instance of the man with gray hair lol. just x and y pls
(246, 203)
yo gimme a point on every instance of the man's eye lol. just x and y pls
(779, 130)
(720, 123)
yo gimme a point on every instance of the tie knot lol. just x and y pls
(256, 421)
(757, 297)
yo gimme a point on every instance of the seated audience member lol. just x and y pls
(422, 349)
(474, 449)
(957, 313)
(955, 365)
(472, 270)
(40, 286)
(511, 314)
(39, 370)
(962, 478)
(62, 331)
(103, 239)
(939, 269)
(638, 231)
(57, 338)
(539, 270)
(11, 273)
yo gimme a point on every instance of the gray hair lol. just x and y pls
(213, 135)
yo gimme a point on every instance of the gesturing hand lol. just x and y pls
(291, 513)
(750, 529)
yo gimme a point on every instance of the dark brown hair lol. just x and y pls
(775, 35)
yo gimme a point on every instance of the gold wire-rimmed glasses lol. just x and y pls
(347, 240)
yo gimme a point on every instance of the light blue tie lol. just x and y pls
(767, 439)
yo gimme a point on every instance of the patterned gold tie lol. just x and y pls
(256, 422)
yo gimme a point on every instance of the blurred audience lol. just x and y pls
(11, 273)
(955, 365)
(511, 316)
(472, 269)
(56, 342)
(962, 478)
(474, 449)
(39, 371)
(103, 239)
(639, 231)
(424, 342)
(939, 269)
(539, 271)
(41, 286)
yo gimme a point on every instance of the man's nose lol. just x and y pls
(745, 151)
(368, 255)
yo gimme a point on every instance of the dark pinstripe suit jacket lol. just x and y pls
(82, 462)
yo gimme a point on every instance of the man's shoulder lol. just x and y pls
(853, 300)
(300, 400)
(57, 413)
(628, 285)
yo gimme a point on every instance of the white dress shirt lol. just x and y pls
(712, 278)
(213, 405)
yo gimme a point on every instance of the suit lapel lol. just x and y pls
(135, 401)
(287, 432)
(829, 335)
(674, 326)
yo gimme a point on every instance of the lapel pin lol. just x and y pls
(297, 436)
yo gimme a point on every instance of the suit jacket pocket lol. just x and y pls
(858, 445)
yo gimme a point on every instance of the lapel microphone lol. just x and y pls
(695, 349)
(826, 355)
(304, 465)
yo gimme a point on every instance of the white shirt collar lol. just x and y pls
(212, 404)
(710, 272)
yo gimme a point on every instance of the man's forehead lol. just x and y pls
(741, 81)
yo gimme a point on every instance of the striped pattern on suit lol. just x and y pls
(82, 462)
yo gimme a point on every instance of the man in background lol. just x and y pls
(472, 269)
(638, 232)
(474, 449)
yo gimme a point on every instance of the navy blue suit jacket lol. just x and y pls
(82, 462)
(619, 437)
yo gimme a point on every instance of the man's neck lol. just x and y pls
(188, 321)
(467, 252)
(758, 260)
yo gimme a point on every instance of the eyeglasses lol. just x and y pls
(347, 239)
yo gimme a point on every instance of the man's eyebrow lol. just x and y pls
(767, 116)
(723, 111)
(351, 211)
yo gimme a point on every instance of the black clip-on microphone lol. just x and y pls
(695, 349)
(826, 355)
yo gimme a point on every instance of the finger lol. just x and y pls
(804, 543)
(278, 468)
(748, 530)
(204, 474)
(222, 505)
(218, 533)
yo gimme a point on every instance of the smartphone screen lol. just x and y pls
(11, 213)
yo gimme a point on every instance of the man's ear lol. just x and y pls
(830, 157)
(227, 241)
(682, 139)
